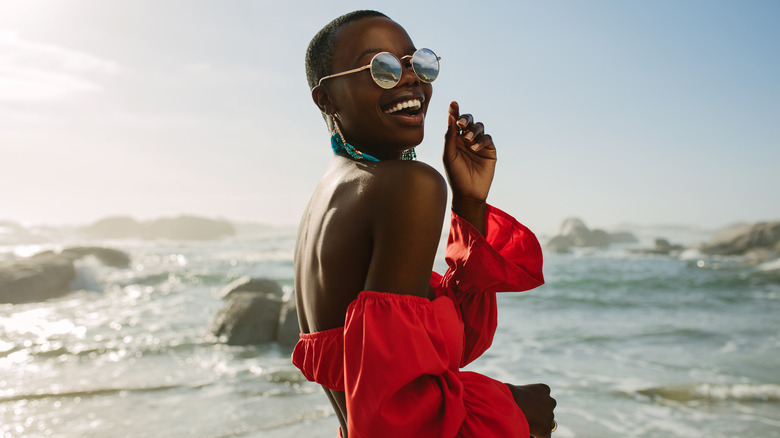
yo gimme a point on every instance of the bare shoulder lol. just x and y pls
(408, 182)
(410, 200)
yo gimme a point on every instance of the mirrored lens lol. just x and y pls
(426, 64)
(386, 70)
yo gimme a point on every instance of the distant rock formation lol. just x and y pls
(574, 233)
(743, 239)
(48, 274)
(256, 312)
(179, 228)
(661, 247)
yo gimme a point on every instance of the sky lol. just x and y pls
(656, 112)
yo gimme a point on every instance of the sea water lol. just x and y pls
(632, 345)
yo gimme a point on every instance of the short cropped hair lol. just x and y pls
(319, 55)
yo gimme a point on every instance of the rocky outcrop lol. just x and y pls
(252, 284)
(107, 256)
(662, 247)
(256, 311)
(49, 274)
(574, 233)
(743, 239)
(37, 278)
(179, 228)
(622, 237)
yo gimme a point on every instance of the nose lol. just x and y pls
(408, 76)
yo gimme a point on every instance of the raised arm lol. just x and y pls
(470, 161)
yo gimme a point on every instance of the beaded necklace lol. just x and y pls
(339, 145)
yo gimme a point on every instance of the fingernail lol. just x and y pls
(474, 147)
(462, 123)
(469, 136)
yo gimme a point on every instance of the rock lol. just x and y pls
(36, 279)
(179, 228)
(116, 227)
(287, 334)
(256, 312)
(107, 256)
(188, 228)
(661, 246)
(248, 318)
(573, 227)
(249, 284)
(576, 229)
(597, 238)
(48, 274)
(622, 237)
(741, 239)
(560, 244)
(574, 233)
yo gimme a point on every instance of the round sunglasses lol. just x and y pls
(387, 69)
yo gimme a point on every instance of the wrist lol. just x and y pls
(468, 205)
(472, 210)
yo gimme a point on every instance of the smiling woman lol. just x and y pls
(382, 334)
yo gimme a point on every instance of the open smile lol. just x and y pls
(407, 110)
(411, 106)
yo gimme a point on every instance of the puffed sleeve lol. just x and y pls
(401, 356)
(507, 259)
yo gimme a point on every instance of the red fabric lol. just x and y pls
(507, 259)
(398, 356)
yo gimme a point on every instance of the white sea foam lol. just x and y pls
(714, 392)
(772, 265)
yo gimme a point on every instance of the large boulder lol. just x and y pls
(289, 330)
(36, 278)
(256, 311)
(49, 274)
(107, 256)
(252, 284)
(248, 318)
(742, 239)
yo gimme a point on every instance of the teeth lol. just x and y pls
(413, 103)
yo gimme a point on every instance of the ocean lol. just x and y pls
(633, 345)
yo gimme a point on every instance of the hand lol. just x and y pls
(537, 406)
(469, 156)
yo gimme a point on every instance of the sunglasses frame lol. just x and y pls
(400, 61)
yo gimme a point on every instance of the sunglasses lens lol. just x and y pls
(386, 70)
(426, 65)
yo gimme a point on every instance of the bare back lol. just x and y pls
(338, 239)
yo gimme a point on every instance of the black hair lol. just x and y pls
(321, 48)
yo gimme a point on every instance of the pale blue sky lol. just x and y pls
(613, 111)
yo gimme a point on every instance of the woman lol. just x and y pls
(382, 334)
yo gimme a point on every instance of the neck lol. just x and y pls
(340, 146)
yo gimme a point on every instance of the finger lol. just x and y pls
(483, 142)
(454, 109)
(452, 127)
(465, 121)
(474, 132)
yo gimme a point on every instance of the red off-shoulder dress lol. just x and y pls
(398, 357)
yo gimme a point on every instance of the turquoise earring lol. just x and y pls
(339, 143)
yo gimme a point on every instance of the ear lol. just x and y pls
(321, 97)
